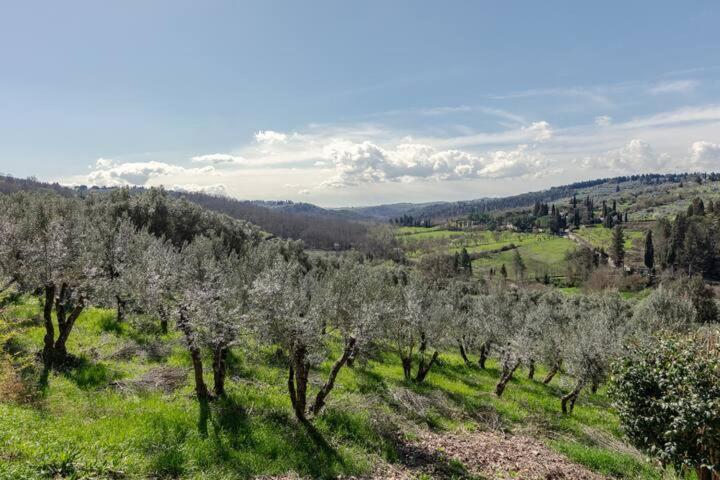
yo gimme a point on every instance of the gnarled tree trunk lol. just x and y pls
(219, 370)
(463, 352)
(571, 397)
(407, 367)
(508, 372)
(424, 369)
(551, 374)
(297, 382)
(200, 388)
(120, 308)
(49, 338)
(484, 350)
(531, 369)
(330, 383)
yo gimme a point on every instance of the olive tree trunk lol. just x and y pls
(330, 383)
(570, 399)
(49, 338)
(507, 374)
(484, 351)
(531, 369)
(424, 368)
(463, 352)
(200, 388)
(219, 365)
(551, 374)
(298, 381)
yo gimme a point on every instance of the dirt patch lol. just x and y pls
(164, 379)
(154, 351)
(495, 455)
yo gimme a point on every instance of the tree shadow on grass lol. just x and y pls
(87, 374)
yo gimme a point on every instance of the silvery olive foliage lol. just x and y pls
(599, 325)
(547, 327)
(418, 323)
(664, 309)
(493, 319)
(301, 309)
(51, 250)
(118, 256)
(221, 284)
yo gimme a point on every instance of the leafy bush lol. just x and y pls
(668, 399)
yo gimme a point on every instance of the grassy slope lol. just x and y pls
(82, 426)
(544, 254)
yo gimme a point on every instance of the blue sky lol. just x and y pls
(354, 103)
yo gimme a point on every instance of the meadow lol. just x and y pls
(126, 410)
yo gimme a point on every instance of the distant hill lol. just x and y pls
(388, 211)
(317, 227)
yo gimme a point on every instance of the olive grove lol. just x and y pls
(224, 285)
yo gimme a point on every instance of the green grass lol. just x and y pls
(83, 426)
(601, 237)
(541, 254)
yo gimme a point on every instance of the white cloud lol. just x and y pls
(217, 189)
(103, 162)
(540, 130)
(270, 137)
(705, 155)
(139, 173)
(218, 158)
(675, 86)
(637, 156)
(603, 121)
(366, 162)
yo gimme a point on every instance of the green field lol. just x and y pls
(543, 254)
(601, 237)
(90, 422)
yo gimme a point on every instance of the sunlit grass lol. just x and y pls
(82, 426)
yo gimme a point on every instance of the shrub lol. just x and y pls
(668, 399)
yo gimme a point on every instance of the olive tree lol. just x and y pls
(155, 281)
(118, 260)
(301, 309)
(663, 309)
(458, 296)
(417, 323)
(55, 255)
(211, 306)
(598, 327)
(548, 324)
(492, 317)
(515, 338)
(667, 394)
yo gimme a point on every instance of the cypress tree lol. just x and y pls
(465, 261)
(617, 248)
(649, 251)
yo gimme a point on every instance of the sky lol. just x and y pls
(357, 103)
